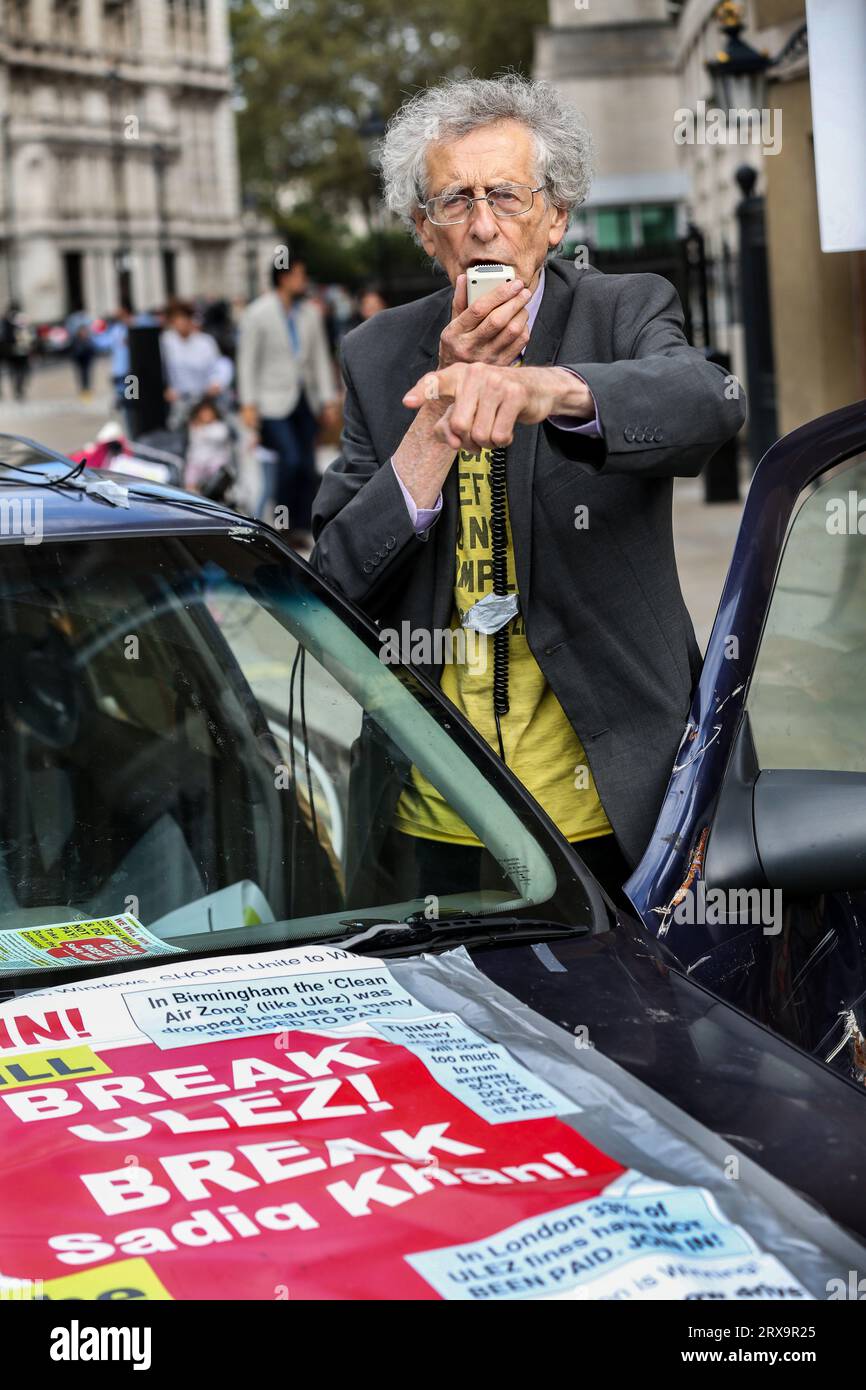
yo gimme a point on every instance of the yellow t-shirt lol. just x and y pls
(541, 747)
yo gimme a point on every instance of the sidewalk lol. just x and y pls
(703, 535)
(52, 413)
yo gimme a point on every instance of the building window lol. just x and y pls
(657, 224)
(171, 23)
(187, 26)
(68, 186)
(66, 22)
(18, 17)
(613, 229)
(626, 227)
(117, 25)
(198, 27)
(73, 277)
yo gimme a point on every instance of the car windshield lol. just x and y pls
(201, 753)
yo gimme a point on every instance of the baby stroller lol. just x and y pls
(220, 485)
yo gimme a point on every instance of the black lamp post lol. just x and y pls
(740, 76)
(161, 159)
(123, 254)
(12, 241)
(757, 316)
(738, 71)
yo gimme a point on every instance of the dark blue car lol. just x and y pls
(182, 703)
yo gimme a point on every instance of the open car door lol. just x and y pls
(755, 876)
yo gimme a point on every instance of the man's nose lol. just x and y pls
(484, 224)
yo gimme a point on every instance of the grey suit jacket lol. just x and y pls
(605, 617)
(270, 372)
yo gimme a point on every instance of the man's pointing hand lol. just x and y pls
(486, 402)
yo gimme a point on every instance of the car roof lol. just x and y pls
(32, 475)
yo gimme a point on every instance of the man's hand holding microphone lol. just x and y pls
(474, 398)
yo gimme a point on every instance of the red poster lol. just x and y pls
(277, 1166)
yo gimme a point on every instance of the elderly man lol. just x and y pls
(609, 405)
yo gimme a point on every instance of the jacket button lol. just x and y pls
(629, 434)
(639, 436)
(390, 543)
(367, 567)
(659, 436)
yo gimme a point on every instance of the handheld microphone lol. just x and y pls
(481, 279)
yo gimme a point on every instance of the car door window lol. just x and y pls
(805, 701)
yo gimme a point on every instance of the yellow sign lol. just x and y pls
(119, 1280)
(41, 1068)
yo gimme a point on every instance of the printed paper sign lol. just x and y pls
(91, 1009)
(241, 1167)
(176, 1017)
(319, 1133)
(78, 943)
(58, 1064)
(597, 1249)
(482, 1074)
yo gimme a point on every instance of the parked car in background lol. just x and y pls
(52, 339)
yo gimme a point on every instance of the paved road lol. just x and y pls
(704, 536)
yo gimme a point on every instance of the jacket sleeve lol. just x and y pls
(363, 532)
(221, 369)
(247, 358)
(664, 410)
(323, 371)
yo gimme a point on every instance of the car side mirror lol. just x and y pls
(801, 831)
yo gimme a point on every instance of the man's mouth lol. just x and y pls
(480, 260)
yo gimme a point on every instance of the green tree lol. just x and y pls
(309, 75)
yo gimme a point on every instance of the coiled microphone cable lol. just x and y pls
(499, 549)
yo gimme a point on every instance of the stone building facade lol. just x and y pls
(118, 157)
(631, 66)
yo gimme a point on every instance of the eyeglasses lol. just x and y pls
(508, 201)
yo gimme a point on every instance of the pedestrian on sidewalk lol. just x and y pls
(192, 362)
(287, 387)
(83, 351)
(17, 341)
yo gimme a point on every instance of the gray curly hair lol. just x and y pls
(455, 107)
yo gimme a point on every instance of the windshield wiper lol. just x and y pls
(454, 929)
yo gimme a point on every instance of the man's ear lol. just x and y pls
(422, 226)
(558, 224)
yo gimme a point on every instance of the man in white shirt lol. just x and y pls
(192, 362)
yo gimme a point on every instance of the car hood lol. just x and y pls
(311, 1123)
